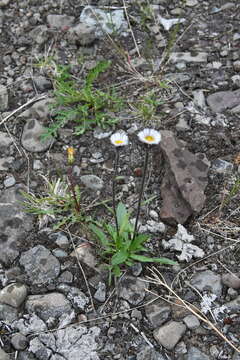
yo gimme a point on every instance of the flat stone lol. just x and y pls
(29, 324)
(231, 280)
(92, 182)
(195, 354)
(52, 305)
(13, 294)
(5, 140)
(3, 98)
(14, 224)
(168, 335)
(82, 34)
(105, 22)
(72, 343)
(77, 298)
(100, 294)
(85, 254)
(234, 305)
(7, 313)
(223, 100)
(132, 289)
(40, 265)
(19, 341)
(3, 355)
(157, 312)
(40, 110)
(192, 322)
(6, 163)
(59, 21)
(221, 166)
(200, 57)
(32, 137)
(9, 181)
(207, 281)
(149, 353)
(42, 83)
(184, 182)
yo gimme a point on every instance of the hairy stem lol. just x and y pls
(114, 189)
(72, 189)
(141, 191)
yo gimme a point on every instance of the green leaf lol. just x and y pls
(116, 271)
(122, 218)
(119, 258)
(139, 239)
(100, 234)
(149, 259)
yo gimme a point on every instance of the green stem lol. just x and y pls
(141, 191)
(114, 190)
(72, 189)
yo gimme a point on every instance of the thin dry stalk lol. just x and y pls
(22, 107)
(129, 24)
(156, 279)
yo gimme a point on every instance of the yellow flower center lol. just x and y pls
(149, 138)
(70, 151)
(118, 142)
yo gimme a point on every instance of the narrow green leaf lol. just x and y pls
(100, 234)
(139, 239)
(119, 258)
(149, 259)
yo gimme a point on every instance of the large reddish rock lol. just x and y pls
(184, 182)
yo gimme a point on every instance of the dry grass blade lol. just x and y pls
(158, 280)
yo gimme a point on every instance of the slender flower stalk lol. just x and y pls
(141, 191)
(118, 139)
(148, 137)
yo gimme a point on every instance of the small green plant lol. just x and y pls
(122, 244)
(147, 106)
(122, 247)
(60, 203)
(86, 106)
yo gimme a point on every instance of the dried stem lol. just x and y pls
(114, 189)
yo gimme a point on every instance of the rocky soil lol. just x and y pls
(55, 299)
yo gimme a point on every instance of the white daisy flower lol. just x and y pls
(150, 136)
(119, 139)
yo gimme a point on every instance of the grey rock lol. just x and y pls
(100, 134)
(51, 305)
(195, 354)
(168, 335)
(3, 97)
(9, 181)
(31, 137)
(59, 21)
(66, 277)
(41, 266)
(39, 34)
(223, 100)
(157, 312)
(191, 3)
(105, 22)
(82, 34)
(14, 224)
(231, 280)
(19, 341)
(181, 242)
(4, 2)
(100, 294)
(132, 289)
(199, 99)
(59, 253)
(236, 356)
(60, 239)
(221, 166)
(85, 254)
(92, 182)
(37, 164)
(29, 324)
(13, 294)
(40, 110)
(73, 343)
(7, 313)
(149, 353)
(207, 281)
(3, 355)
(42, 83)
(5, 163)
(236, 65)
(234, 305)
(5, 140)
(169, 23)
(184, 182)
(192, 322)
(176, 57)
(78, 299)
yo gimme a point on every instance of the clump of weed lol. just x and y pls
(85, 106)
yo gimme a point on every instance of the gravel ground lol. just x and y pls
(176, 68)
